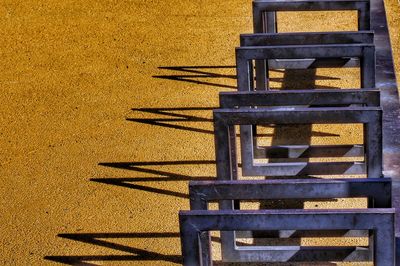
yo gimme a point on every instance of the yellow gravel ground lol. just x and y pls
(105, 116)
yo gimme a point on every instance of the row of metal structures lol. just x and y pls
(256, 104)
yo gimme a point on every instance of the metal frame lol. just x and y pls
(386, 83)
(244, 56)
(304, 38)
(367, 97)
(203, 192)
(264, 21)
(264, 11)
(226, 119)
(195, 224)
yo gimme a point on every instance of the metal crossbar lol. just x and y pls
(226, 119)
(245, 55)
(367, 97)
(203, 192)
(264, 11)
(193, 224)
(305, 38)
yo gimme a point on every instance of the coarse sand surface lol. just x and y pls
(106, 114)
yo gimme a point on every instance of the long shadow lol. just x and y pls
(138, 254)
(203, 72)
(198, 74)
(160, 175)
(98, 240)
(168, 117)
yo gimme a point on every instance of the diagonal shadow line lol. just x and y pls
(200, 75)
(170, 120)
(191, 162)
(179, 78)
(193, 69)
(144, 254)
(168, 176)
(155, 122)
(154, 179)
(133, 166)
(176, 109)
(88, 236)
(164, 111)
(138, 169)
(141, 254)
(123, 183)
(206, 75)
(82, 260)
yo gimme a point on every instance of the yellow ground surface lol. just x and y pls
(100, 128)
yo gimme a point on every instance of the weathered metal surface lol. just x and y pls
(202, 192)
(369, 97)
(225, 119)
(386, 83)
(306, 38)
(194, 223)
(245, 55)
(264, 11)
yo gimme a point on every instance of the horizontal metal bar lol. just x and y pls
(298, 254)
(362, 219)
(307, 168)
(193, 223)
(310, 5)
(301, 51)
(300, 233)
(306, 38)
(307, 151)
(291, 115)
(313, 63)
(289, 189)
(299, 97)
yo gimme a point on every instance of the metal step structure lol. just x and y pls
(378, 190)
(375, 105)
(378, 221)
(264, 11)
